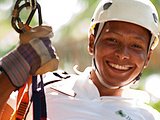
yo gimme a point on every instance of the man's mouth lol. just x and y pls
(120, 67)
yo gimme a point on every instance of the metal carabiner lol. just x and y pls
(16, 21)
(33, 4)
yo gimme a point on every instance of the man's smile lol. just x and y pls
(120, 67)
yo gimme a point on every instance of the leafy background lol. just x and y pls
(70, 41)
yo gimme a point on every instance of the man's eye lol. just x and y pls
(137, 46)
(112, 40)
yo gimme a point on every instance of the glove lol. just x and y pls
(35, 55)
(33, 36)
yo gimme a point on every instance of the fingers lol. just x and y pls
(35, 55)
(34, 33)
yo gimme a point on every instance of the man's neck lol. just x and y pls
(104, 91)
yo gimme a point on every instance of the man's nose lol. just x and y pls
(122, 53)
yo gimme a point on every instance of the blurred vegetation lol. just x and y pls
(156, 105)
(70, 40)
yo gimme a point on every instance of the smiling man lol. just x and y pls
(120, 53)
(121, 39)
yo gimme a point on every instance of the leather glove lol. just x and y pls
(35, 55)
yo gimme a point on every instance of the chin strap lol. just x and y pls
(100, 78)
(103, 83)
(110, 86)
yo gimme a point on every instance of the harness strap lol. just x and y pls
(22, 101)
(39, 100)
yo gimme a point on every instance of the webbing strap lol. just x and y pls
(22, 101)
(39, 100)
(39, 104)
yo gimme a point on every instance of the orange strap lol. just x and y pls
(23, 100)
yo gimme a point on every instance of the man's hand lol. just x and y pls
(34, 55)
(36, 33)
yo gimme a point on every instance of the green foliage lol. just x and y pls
(156, 105)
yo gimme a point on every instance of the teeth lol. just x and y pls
(119, 67)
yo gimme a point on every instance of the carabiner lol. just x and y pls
(16, 21)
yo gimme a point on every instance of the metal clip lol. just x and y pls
(16, 21)
(33, 4)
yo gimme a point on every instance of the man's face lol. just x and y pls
(121, 52)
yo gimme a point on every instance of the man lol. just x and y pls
(122, 36)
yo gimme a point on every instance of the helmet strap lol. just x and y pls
(99, 30)
(100, 78)
(110, 86)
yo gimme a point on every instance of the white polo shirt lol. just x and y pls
(77, 98)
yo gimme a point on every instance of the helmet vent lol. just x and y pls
(107, 5)
(155, 18)
(92, 19)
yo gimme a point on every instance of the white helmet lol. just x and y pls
(140, 12)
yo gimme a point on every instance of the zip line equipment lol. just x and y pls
(16, 21)
(38, 96)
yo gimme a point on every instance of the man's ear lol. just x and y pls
(91, 44)
(148, 58)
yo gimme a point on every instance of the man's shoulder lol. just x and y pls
(139, 95)
(64, 76)
(56, 76)
(142, 100)
(149, 112)
(65, 82)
